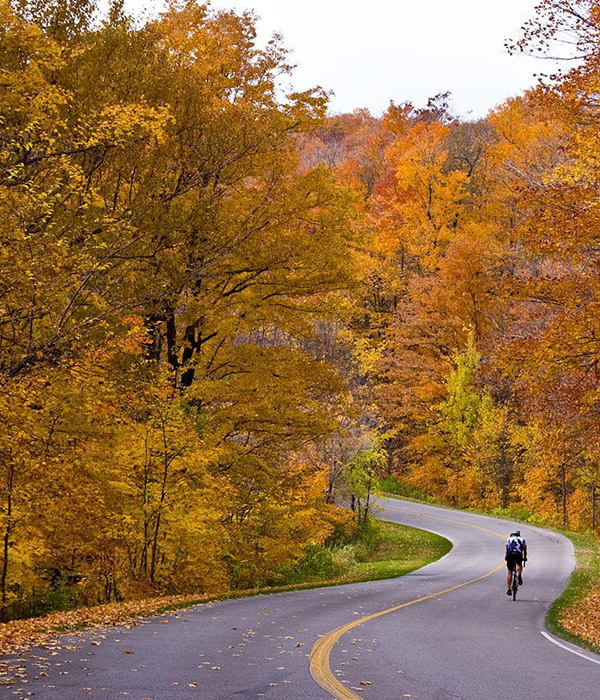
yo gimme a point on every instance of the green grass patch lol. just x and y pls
(398, 550)
(381, 550)
(583, 580)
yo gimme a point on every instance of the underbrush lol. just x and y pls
(378, 550)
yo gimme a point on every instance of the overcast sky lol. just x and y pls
(368, 52)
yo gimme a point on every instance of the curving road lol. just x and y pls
(445, 632)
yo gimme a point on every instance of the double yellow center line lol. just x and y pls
(320, 669)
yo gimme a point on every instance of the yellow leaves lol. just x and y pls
(367, 356)
(29, 59)
(145, 239)
(117, 125)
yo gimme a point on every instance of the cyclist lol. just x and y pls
(516, 553)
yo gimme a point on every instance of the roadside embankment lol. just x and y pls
(384, 550)
(575, 615)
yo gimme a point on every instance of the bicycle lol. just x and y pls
(514, 586)
(515, 581)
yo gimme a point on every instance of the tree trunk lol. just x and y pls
(457, 491)
(329, 490)
(504, 498)
(163, 494)
(563, 494)
(6, 540)
(367, 503)
(171, 339)
(505, 469)
(192, 342)
(143, 570)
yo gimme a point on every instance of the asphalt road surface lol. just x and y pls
(444, 639)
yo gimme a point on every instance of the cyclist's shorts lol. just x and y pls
(514, 558)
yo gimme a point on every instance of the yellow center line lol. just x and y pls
(320, 669)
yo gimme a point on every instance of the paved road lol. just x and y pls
(471, 643)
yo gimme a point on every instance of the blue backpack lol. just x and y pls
(515, 544)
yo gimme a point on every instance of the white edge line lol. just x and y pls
(566, 648)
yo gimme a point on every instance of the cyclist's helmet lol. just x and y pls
(516, 532)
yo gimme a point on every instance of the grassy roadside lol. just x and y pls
(401, 550)
(384, 550)
(575, 615)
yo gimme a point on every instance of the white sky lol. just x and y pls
(370, 52)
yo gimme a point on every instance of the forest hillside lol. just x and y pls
(227, 315)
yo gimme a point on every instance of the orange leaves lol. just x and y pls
(583, 620)
(424, 208)
(42, 631)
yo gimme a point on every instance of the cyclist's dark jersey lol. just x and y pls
(515, 557)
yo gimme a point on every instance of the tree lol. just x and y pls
(165, 263)
(360, 475)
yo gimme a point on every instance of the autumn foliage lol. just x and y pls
(168, 275)
(224, 314)
(480, 290)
